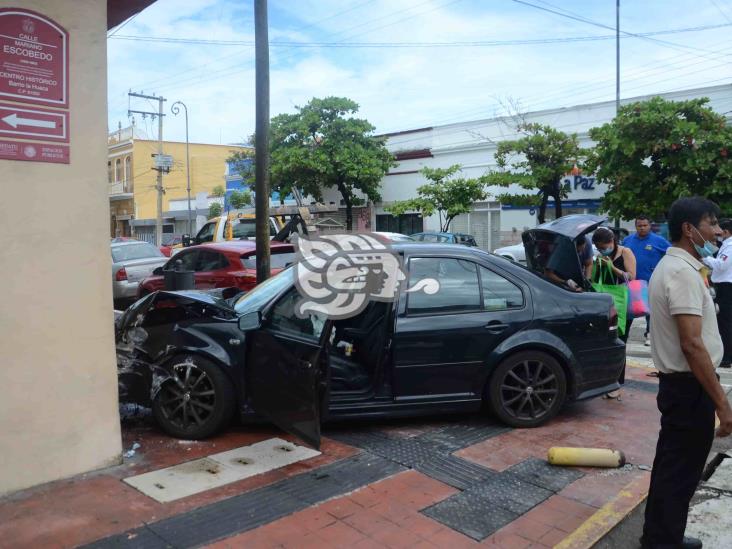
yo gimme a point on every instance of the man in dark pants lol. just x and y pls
(686, 349)
(722, 277)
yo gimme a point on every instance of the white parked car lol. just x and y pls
(515, 253)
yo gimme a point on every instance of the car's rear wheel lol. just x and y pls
(196, 401)
(527, 389)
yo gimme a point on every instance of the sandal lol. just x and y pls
(612, 395)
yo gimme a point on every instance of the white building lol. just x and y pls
(472, 145)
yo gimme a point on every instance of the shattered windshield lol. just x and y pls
(265, 292)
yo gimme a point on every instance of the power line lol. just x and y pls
(724, 14)
(581, 19)
(480, 43)
(120, 27)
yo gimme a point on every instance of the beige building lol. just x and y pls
(131, 181)
(59, 412)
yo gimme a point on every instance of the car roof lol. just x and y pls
(242, 246)
(129, 243)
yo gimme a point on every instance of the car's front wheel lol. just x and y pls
(527, 389)
(196, 401)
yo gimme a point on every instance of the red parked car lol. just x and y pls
(221, 265)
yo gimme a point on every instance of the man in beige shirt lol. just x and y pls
(686, 350)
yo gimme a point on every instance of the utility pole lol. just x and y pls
(159, 165)
(617, 71)
(617, 56)
(261, 144)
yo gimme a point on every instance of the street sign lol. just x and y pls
(34, 152)
(34, 61)
(33, 123)
(163, 162)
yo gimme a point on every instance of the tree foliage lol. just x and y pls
(323, 145)
(656, 151)
(536, 162)
(447, 195)
(240, 199)
(218, 191)
(214, 210)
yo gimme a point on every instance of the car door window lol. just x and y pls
(187, 261)
(459, 289)
(499, 293)
(209, 260)
(282, 318)
(206, 234)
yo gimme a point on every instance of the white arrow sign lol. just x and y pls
(14, 120)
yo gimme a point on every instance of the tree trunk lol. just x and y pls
(448, 220)
(557, 206)
(349, 216)
(542, 207)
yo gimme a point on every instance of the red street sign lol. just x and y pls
(34, 58)
(35, 123)
(34, 152)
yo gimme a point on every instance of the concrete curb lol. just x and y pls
(608, 516)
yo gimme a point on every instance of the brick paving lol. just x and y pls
(387, 513)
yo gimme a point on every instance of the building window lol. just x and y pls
(128, 169)
(117, 170)
(110, 172)
(405, 223)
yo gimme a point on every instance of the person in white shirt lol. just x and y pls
(722, 278)
(686, 349)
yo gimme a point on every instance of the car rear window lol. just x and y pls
(278, 260)
(247, 228)
(130, 252)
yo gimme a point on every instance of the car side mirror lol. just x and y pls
(250, 321)
(158, 271)
(186, 240)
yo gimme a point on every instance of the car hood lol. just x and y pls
(214, 298)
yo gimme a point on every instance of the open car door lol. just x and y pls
(557, 237)
(286, 369)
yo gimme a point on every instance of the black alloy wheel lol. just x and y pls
(527, 389)
(195, 401)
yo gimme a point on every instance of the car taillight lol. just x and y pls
(121, 275)
(613, 323)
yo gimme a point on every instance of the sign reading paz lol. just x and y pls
(33, 58)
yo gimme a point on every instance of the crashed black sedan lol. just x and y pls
(494, 333)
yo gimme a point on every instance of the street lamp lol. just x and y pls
(175, 109)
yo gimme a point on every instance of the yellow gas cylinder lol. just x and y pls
(585, 457)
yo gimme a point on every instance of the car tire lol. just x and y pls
(527, 389)
(197, 401)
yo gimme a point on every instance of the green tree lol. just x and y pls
(656, 151)
(214, 210)
(240, 199)
(536, 162)
(447, 195)
(218, 191)
(323, 145)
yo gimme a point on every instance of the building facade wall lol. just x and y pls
(59, 412)
(208, 170)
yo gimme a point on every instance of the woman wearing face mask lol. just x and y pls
(618, 266)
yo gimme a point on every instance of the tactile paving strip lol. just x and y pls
(459, 436)
(540, 473)
(454, 471)
(641, 385)
(257, 507)
(472, 514)
(489, 505)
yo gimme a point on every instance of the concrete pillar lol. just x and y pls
(59, 412)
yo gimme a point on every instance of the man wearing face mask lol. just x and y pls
(686, 348)
(722, 278)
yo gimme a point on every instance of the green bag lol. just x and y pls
(619, 292)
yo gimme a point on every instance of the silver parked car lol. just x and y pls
(132, 261)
